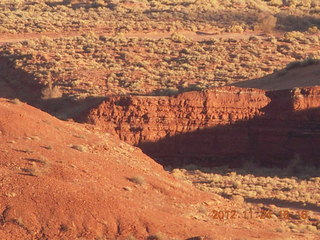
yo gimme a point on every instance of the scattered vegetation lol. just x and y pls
(274, 190)
(99, 65)
(306, 62)
(80, 148)
(157, 236)
(34, 171)
(50, 92)
(161, 15)
(273, 184)
(15, 101)
(92, 65)
(266, 23)
(19, 222)
(38, 166)
(129, 189)
(137, 179)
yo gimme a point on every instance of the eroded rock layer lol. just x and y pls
(226, 125)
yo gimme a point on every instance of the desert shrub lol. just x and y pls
(158, 236)
(236, 29)
(276, 2)
(266, 23)
(80, 148)
(294, 35)
(98, 3)
(307, 62)
(313, 30)
(178, 38)
(15, 101)
(296, 3)
(165, 66)
(150, 16)
(137, 179)
(292, 3)
(169, 91)
(49, 92)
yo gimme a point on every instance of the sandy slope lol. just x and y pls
(286, 79)
(62, 180)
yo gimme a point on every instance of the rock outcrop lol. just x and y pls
(60, 180)
(217, 126)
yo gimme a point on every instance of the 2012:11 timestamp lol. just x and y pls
(259, 214)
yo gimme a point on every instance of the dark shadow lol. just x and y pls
(54, 4)
(22, 150)
(284, 204)
(13, 5)
(79, 5)
(172, 92)
(27, 172)
(295, 74)
(280, 203)
(35, 160)
(17, 83)
(282, 138)
(225, 18)
(288, 23)
(250, 17)
(67, 108)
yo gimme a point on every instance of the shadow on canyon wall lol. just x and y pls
(282, 137)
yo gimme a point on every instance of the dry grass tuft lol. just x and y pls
(130, 238)
(266, 23)
(137, 179)
(50, 92)
(80, 148)
(158, 236)
(39, 166)
(15, 101)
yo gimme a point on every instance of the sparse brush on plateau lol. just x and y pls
(157, 119)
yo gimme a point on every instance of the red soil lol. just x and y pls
(51, 190)
(217, 126)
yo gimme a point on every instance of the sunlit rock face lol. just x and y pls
(219, 126)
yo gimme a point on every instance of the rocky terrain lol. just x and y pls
(271, 127)
(179, 120)
(61, 180)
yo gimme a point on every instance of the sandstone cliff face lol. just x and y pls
(290, 127)
(217, 126)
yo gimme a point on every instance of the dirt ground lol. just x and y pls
(63, 180)
(66, 180)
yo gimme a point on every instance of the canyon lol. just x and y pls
(159, 120)
(219, 126)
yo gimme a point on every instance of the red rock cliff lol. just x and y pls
(217, 126)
